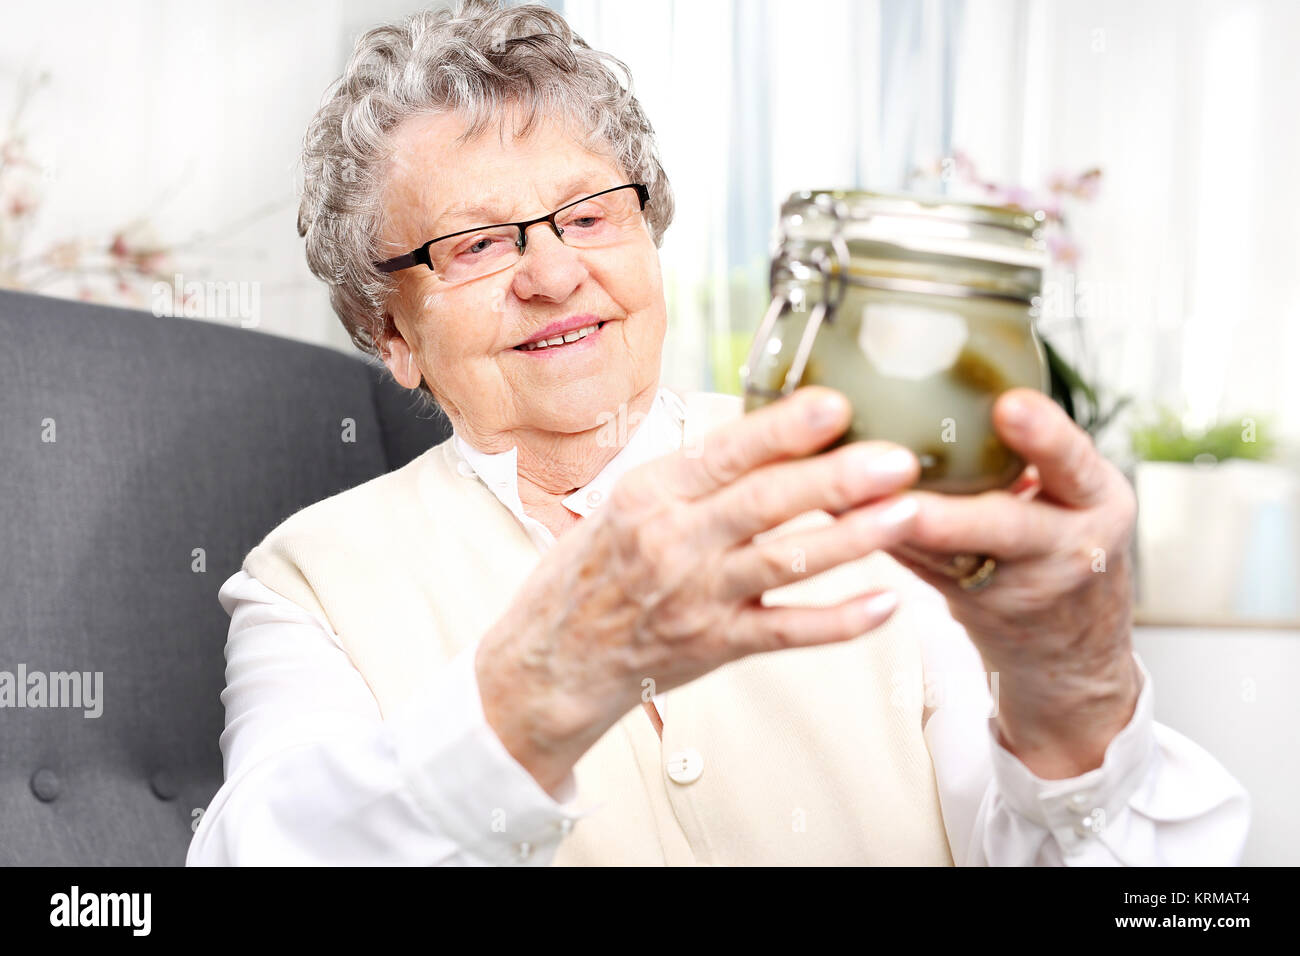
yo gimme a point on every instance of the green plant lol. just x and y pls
(1079, 399)
(1165, 439)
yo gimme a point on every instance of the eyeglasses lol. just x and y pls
(600, 219)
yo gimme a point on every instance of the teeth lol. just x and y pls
(559, 339)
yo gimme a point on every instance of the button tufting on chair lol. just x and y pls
(46, 785)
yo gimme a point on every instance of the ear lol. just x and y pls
(399, 356)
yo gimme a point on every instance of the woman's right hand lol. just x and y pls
(664, 583)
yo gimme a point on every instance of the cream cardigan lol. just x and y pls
(811, 756)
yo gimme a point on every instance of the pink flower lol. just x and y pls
(65, 255)
(1088, 184)
(21, 206)
(1051, 207)
(1063, 249)
(1015, 196)
(962, 164)
(149, 261)
(1060, 187)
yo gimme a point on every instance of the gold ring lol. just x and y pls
(972, 571)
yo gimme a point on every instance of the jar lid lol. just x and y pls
(932, 225)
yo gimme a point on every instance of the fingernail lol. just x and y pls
(897, 512)
(896, 461)
(826, 410)
(878, 605)
(1015, 411)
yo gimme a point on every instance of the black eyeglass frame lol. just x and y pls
(420, 256)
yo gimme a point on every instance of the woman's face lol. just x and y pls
(463, 337)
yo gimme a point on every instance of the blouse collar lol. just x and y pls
(658, 434)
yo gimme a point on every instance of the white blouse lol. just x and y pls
(314, 775)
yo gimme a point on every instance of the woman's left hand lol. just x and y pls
(1054, 623)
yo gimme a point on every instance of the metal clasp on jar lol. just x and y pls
(833, 268)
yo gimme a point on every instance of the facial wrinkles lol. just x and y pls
(469, 354)
(517, 316)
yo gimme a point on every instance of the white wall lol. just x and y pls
(1233, 691)
(189, 114)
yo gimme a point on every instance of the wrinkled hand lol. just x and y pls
(665, 583)
(1055, 621)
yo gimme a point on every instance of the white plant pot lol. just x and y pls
(1218, 543)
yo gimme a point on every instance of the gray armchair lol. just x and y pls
(140, 459)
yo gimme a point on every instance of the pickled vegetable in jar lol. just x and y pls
(921, 311)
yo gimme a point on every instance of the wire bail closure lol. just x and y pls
(833, 267)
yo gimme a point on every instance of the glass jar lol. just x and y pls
(921, 311)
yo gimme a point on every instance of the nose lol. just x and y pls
(548, 269)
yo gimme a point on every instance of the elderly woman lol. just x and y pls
(549, 639)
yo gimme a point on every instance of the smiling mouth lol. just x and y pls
(559, 341)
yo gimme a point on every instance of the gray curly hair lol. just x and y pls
(475, 60)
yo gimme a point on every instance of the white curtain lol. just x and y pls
(192, 117)
(1186, 291)
(752, 101)
(1189, 281)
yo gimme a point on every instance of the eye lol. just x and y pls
(481, 245)
(584, 217)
